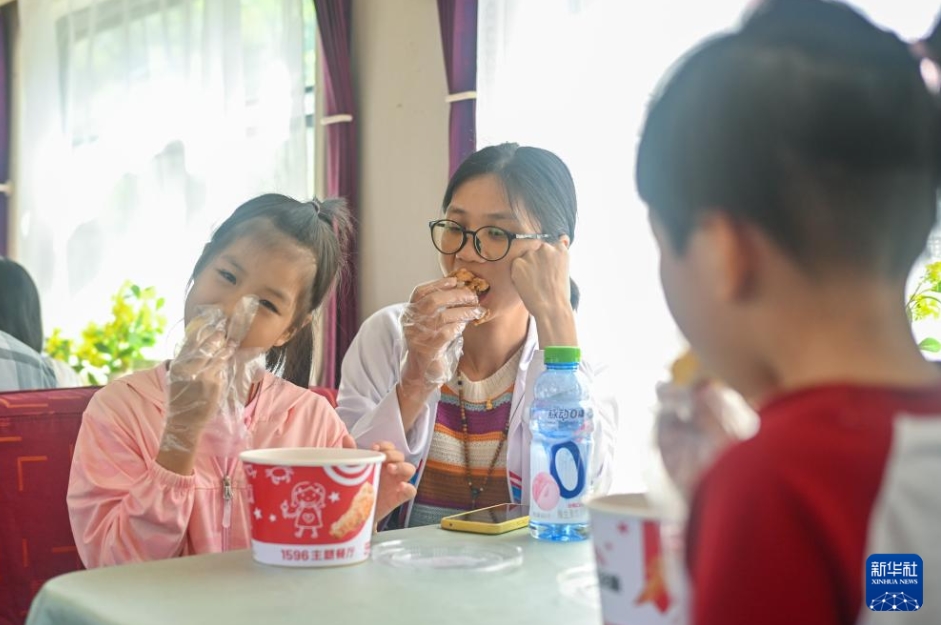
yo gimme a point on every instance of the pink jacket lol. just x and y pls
(124, 507)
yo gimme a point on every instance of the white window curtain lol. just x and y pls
(575, 77)
(142, 124)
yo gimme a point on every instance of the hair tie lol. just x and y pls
(316, 206)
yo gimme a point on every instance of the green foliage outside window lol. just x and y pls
(925, 303)
(118, 345)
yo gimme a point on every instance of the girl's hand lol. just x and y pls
(394, 486)
(197, 378)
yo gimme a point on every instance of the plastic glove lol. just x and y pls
(433, 323)
(226, 433)
(209, 381)
(694, 424)
(246, 365)
(196, 381)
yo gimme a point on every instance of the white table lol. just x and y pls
(231, 589)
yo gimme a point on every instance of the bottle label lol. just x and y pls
(561, 415)
(559, 481)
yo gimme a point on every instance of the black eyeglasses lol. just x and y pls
(490, 242)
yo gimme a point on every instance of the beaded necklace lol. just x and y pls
(476, 492)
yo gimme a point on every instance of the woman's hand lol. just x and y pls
(432, 323)
(436, 315)
(541, 277)
(394, 486)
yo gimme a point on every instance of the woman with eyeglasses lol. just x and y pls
(448, 376)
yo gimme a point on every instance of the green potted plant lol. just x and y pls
(925, 303)
(118, 346)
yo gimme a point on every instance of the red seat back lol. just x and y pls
(329, 393)
(37, 433)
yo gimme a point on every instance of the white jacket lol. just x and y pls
(368, 404)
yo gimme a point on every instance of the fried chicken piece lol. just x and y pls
(358, 512)
(476, 284)
(686, 370)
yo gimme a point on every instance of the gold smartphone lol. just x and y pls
(498, 519)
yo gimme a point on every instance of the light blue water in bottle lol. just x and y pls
(561, 421)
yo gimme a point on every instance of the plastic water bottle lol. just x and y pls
(562, 422)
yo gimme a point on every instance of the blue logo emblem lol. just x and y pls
(894, 582)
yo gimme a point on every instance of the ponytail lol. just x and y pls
(294, 359)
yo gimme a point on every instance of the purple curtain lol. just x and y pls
(458, 20)
(341, 312)
(5, 53)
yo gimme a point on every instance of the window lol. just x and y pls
(143, 124)
(575, 77)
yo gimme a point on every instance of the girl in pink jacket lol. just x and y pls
(144, 484)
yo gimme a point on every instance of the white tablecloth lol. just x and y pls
(231, 589)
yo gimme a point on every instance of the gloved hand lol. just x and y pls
(247, 365)
(226, 434)
(209, 381)
(694, 424)
(433, 323)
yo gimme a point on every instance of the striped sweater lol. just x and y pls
(443, 489)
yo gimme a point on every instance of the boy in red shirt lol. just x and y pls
(791, 170)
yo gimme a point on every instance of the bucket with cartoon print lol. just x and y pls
(638, 556)
(312, 507)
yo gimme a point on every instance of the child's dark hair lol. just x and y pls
(20, 312)
(534, 176)
(810, 123)
(321, 227)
